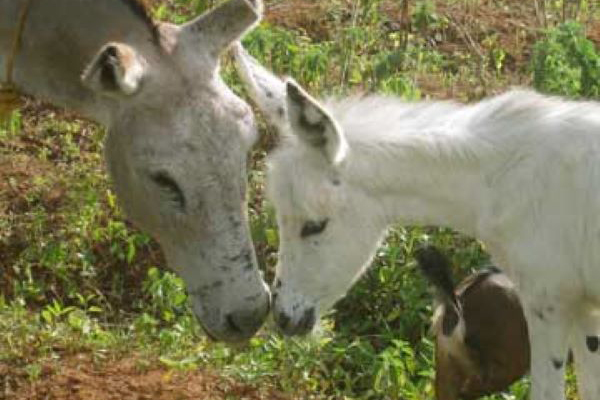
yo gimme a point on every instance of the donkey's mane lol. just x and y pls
(476, 130)
(386, 119)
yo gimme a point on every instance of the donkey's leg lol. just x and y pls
(449, 374)
(586, 350)
(548, 332)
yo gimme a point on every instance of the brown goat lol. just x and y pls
(481, 338)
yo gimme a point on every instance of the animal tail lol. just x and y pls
(435, 266)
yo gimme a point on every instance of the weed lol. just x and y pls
(565, 62)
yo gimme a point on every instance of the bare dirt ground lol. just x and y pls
(79, 378)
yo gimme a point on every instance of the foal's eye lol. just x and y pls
(313, 227)
(169, 187)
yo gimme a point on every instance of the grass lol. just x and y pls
(77, 277)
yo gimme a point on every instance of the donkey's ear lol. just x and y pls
(116, 70)
(313, 124)
(217, 28)
(267, 90)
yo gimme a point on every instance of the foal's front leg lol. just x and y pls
(548, 334)
(586, 348)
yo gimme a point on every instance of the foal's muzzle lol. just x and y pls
(302, 323)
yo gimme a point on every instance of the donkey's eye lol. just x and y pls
(170, 188)
(313, 227)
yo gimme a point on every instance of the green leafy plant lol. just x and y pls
(166, 296)
(566, 62)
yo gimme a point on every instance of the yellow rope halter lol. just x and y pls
(9, 95)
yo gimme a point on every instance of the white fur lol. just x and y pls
(453, 345)
(519, 171)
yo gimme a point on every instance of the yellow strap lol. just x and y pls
(9, 96)
(16, 43)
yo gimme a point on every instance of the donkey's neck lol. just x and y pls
(422, 163)
(60, 37)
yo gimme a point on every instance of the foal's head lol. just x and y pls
(327, 234)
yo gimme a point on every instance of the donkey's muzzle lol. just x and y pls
(302, 326)
(236, 326)
(244, 325)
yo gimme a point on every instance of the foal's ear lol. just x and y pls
(116, 70)
(313, 124)
(265, 89)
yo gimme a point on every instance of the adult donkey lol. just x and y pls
(177, 136)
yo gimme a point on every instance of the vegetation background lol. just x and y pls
(87, 310)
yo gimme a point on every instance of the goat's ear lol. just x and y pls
(116, 70)
(218, 28)
(313, 124)
(265, 89)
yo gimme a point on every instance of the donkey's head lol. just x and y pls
(176, 150)
(326, 237)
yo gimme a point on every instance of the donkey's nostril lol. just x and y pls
(302, 327)
(243, 324)
(308, 321)
(232, 325)
(283, 320)
(236, 325)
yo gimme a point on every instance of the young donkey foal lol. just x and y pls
(520, 171)
(177, 136)
(481, 341)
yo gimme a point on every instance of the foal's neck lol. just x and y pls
(421, 162)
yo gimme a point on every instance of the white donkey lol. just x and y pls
(520, 171)
(177, 136)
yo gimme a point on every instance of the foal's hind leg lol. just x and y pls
(548, 333)
(586, 349)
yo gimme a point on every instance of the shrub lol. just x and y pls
(565, 62)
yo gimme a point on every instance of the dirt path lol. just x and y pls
(130, 378)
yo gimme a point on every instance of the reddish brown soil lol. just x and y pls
(79, 378)
(28, 182)
(472, 28)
